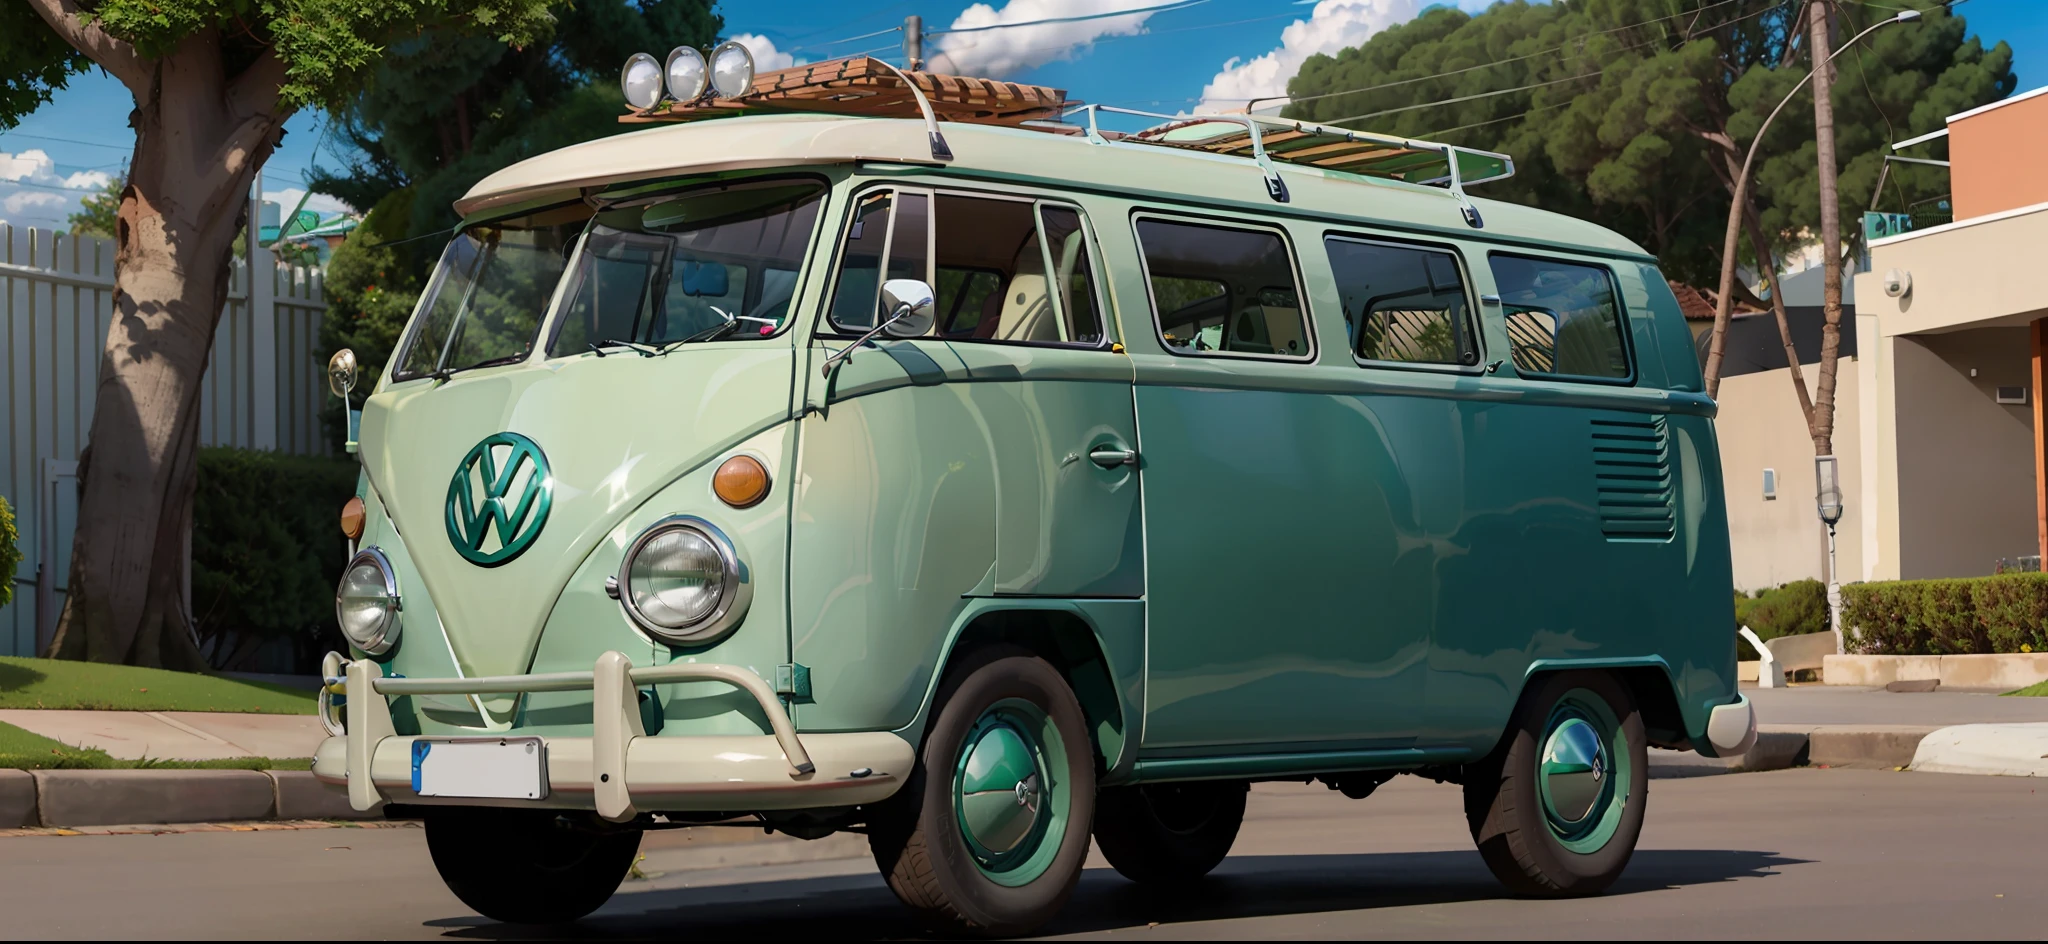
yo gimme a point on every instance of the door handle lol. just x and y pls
(1109, 456)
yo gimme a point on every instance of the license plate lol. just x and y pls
(509, 768)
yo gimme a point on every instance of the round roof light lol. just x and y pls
(732, 69)
(640, 80)
(687, 74)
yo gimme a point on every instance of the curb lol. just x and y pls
(2007, 750)
(53, 798)
(1784, 746)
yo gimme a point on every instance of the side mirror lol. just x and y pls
(909, 307)
(341, 372)
(341, 378)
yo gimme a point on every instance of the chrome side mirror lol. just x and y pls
(909, 303)
(341, 372)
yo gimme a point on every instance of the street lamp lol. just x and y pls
(1828, 501)
(1728, 242)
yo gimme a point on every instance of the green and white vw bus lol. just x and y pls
(986, 486)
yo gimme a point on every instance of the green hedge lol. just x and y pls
(1792, 609)
(10, 551)
(2005, 613)
(267, 549)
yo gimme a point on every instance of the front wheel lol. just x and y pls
(988, 835)
(528, 866)
(1557, 809)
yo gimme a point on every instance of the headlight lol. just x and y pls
(687, 74)
(366, 603)
(682, 580)
(640, 80)
(732, 70)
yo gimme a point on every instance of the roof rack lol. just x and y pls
(863, 85)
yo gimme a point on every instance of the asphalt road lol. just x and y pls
(1795, 853)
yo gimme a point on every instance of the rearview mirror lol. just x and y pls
(908, 308)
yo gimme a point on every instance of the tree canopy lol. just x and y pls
(1634, 113)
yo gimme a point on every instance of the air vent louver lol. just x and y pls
(1632, 470)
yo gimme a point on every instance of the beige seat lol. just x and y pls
(1027, 307)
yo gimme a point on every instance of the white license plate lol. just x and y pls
(512, 768)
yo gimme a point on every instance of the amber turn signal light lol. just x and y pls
(352, 518)
(741, 482)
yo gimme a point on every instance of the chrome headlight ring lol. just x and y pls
(735, 592)
(379, 586)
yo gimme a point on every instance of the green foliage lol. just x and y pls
(2037, 690)
(99, 686)
(442, 111)
(10, 551)
(1634, 118)
(34, 62)
(2004, 613)
(266, 550)
(1791, 609)
(96, 213)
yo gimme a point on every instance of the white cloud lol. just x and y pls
(319, 203)
(766, 57)
(31, 187)
(1333, 25)
(1005, 52)
(22, 201)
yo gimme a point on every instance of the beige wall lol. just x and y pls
(1760, 427)
(1965, 462)
(1964, 274)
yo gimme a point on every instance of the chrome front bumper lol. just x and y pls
(619, 771)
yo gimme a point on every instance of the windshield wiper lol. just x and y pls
(712, 333)
(598, 347)
(445, 372)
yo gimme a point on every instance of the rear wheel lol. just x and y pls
(528, 866)
(1557, 810)
(989, 834)
(1169, 832)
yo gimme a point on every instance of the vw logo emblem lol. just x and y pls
(499, 499)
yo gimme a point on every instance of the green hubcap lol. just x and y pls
(1583, 774)
(1009, 791)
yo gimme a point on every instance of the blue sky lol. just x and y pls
(1166, 61)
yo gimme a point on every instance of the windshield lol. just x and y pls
(490, 292)
(675, 267)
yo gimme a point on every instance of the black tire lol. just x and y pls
(1521, 816)
(528, 866)
(1169, 833)
(917, 836)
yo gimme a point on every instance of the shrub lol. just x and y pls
(10, 552)
(2003, 613)
(1792, 609)
(266, 552)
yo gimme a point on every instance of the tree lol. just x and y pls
(1636, 113)
(214, 82)
(95, 216)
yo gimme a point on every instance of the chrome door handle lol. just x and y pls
(1109, 457)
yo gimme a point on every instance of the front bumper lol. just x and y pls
(619, 771)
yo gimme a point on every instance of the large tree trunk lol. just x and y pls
(200, 135)
(1830, 234)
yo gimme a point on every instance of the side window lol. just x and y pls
(1001, 269)
(1223, 290)
(1563, 318)
(1403, 304)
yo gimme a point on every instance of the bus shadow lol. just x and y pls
(860, 906)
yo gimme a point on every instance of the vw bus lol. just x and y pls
(990, 483)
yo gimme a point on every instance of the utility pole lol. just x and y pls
(913, 43)
(1830, 230)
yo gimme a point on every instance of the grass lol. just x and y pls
(57, 683)
(26, 750)
(2038, 689)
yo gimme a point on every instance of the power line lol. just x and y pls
(835, 42)
(1463, 98)
(46, 137)
(1161, 8)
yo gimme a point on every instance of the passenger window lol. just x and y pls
(1222, 290)
(1402, 304)
(996, 264)
(1563, 318)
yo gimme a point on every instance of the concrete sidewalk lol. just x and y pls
(174, 735)
(1843, 726)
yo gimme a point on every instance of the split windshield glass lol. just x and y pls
(684, 265)
(490, 292)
